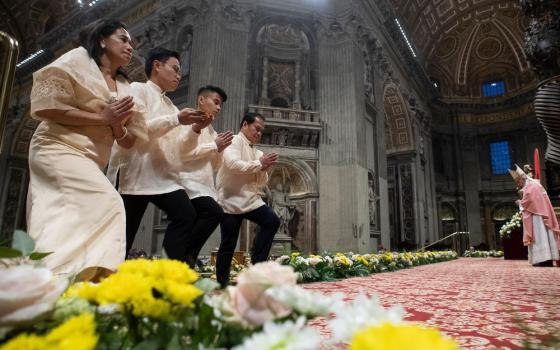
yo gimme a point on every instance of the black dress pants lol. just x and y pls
(208, 217)
(180, 212)
(268, 222)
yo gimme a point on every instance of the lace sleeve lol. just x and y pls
(52, 89)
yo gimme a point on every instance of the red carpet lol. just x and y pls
(479, 302)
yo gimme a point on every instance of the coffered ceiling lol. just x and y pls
(28, 20)
(464, 43)
(461, 43)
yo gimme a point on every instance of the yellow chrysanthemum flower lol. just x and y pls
(84, 290)
(362, 260)
(153, 288)
(181, 293)
(77, 333)
(25, 341)
(148, 306)
(122, 288)
(408, 336)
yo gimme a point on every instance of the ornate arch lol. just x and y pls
(282, 61)
(504, 211)
(292, 192)
(448, 212)
(304, 181)
(399, 135)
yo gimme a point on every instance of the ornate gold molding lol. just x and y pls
(496, 117)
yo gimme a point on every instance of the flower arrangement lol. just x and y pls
(77, 333)
(514, 223)
(163, 304)
(471, 253)
(329, 267)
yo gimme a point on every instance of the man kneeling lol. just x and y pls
(242, 173)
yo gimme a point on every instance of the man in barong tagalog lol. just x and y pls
(201, 149)
(84, 103)
(242, 175)
(150, 172)
(541, 233)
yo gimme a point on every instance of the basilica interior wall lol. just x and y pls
(470, 196)
(320, 76)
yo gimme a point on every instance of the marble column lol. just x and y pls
(219, 57)
(263, 100)
(344, 214)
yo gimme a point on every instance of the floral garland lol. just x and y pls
(514, 223)
(329, 267)
(483, 254)
(163, 304)
(153, 304)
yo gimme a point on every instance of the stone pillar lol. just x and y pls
(431, 207)
(343, 219)
(297, 92)
(471, 182)
(419, 166)
(489, 227)
(263, 100)
(219, 57)
(381, 155)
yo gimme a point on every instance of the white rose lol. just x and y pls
(27, 292)
(315, 260)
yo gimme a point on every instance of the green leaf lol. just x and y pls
(23, 242)
(174, 343)
(147, 345)
(39, 255)
(206, 285)
(6, 252)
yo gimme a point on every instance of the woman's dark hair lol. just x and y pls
(250, 118)
(91, 35)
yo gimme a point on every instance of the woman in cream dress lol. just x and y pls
(84, 103)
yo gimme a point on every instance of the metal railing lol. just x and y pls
(460, 241)
(9, 60)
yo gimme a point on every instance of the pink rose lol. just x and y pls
(248, 298)
(27, 292)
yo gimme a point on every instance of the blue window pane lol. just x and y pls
(501, 160)
(493, 88)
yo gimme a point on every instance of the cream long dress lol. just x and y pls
(73, 210)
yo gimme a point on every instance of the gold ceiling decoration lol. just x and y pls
(29, 20)
(464, 43)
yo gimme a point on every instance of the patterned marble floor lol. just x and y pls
(482, 303)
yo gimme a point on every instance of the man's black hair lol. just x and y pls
(212, 88)
(158, 54)
(250, 118)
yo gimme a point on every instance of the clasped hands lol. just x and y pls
(200, 120)
(116, 114)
